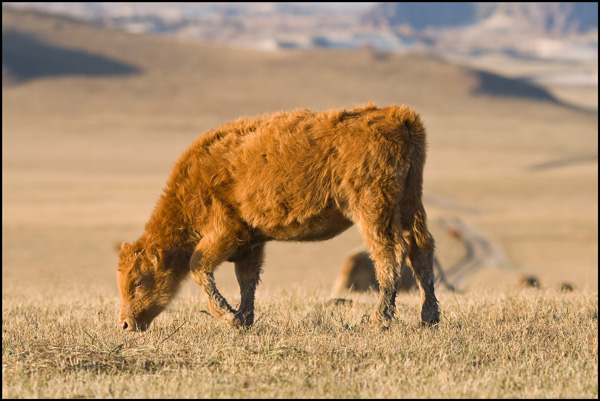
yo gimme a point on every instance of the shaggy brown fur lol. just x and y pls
(291, 176)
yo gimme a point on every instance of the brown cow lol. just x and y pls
(291, 176)
(358, 274)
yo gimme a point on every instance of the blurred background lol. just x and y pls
(100, 99)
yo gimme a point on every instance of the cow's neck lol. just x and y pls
(166, 229)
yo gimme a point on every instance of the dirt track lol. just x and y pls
(481, 252)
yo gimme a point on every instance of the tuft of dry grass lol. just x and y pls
(513, 344)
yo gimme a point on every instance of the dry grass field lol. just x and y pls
(525, 344)
(85, 156)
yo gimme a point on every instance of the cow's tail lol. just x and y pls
(413, 190)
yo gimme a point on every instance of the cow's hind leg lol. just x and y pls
(247, 270)
(384, 242)
(388, 273)
(208, 255)
(421, 262)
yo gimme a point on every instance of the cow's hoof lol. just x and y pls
(430, 319)
(380, 326)
(248, 321)
(237, 320)
(234, 319)
(379, 323)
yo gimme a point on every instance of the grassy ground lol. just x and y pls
(513, 344)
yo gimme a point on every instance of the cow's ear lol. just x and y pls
(155, 256)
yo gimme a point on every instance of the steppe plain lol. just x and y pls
(85, 157)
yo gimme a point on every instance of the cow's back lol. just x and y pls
(289, 170)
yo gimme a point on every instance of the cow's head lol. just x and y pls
(145, 284)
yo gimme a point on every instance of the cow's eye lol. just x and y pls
(137, 283)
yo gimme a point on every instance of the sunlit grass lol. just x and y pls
(510, 345)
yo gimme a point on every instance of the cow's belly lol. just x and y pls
(327, 224)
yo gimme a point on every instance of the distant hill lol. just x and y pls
(557, 18)
(420, 15)
(24, 57)
(157, 81)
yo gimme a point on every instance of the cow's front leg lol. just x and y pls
(207, 256)
(247, 270)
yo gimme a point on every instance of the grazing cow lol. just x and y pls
(529, 282)
(358, 274)
(291, 176)
(567, 287)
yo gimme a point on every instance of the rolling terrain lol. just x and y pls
(91, 126)
(85, 155)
